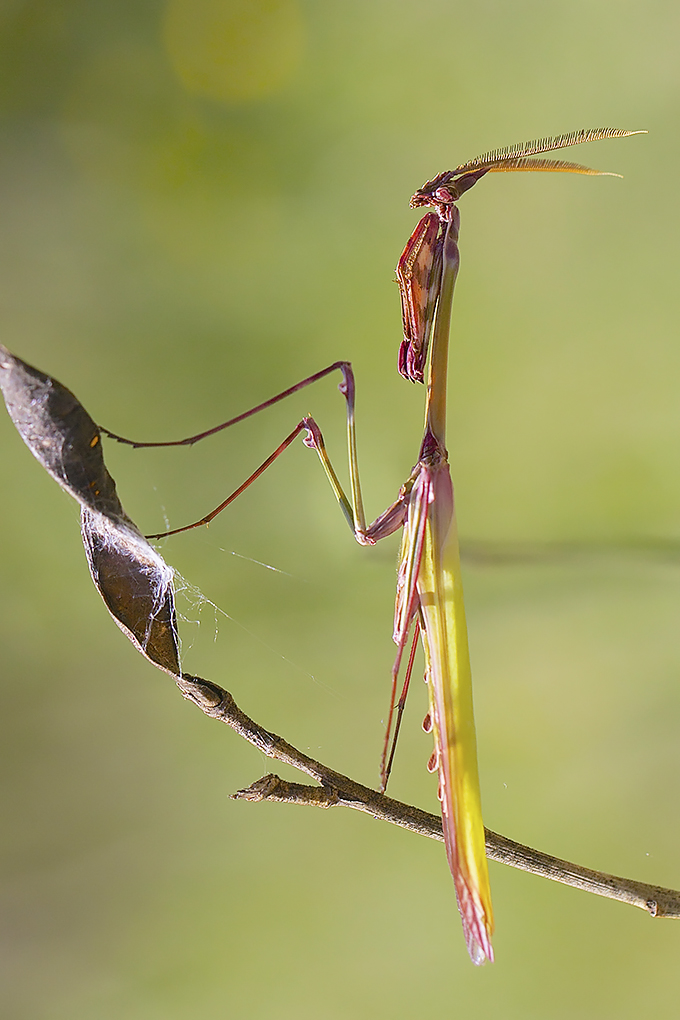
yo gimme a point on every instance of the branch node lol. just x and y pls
(272, 787)
(262, 789)
(206, 695)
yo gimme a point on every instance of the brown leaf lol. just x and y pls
(132, 578)
(136, 585)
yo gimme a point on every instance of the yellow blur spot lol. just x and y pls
(234, 50)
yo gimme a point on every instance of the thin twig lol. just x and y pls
(338, 790)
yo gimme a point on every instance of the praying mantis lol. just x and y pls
(429, 600)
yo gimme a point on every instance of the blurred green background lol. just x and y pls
(202, 201)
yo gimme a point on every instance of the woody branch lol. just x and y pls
(336, 790)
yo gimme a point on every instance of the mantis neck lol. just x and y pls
(435, 407)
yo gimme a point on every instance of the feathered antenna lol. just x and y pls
(523, 149)
(516, 157)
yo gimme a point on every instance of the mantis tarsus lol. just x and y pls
(429, 598)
